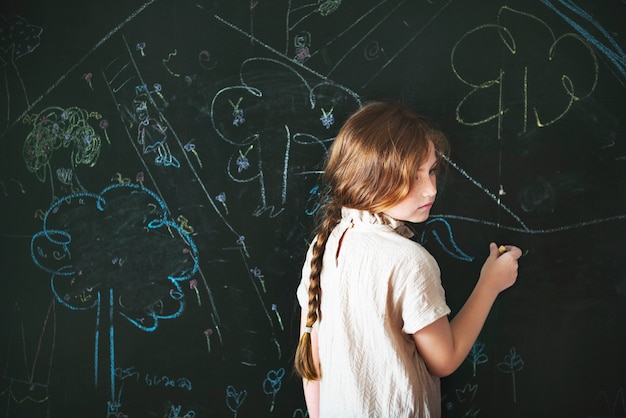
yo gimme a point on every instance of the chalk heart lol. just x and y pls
(234, 398)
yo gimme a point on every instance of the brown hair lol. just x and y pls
(372, 165)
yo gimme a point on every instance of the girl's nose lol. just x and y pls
(429, 186)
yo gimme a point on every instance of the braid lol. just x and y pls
(304, 362)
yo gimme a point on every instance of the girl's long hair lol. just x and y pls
(371, 166)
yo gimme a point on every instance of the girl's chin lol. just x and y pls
(417, 218)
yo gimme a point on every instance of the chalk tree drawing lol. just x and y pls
(55, 129)
(119, 250)
(477, 355)
(512, 363)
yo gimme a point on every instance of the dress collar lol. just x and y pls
(357, 216)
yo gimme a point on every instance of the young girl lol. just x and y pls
(375, 335)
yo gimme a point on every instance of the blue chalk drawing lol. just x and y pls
(272, 384)
(477, 356)
(109, 248)
(235, 399)
(444, 238)
(512, 363)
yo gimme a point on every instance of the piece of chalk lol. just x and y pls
(502, 249)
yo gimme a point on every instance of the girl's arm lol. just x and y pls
(311, 387)
(444, 345)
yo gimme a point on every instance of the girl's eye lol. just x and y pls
(433, 170)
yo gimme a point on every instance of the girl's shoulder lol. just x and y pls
(384, 239)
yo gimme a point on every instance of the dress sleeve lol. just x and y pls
(423, 298)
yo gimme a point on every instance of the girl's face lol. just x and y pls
(415, 207)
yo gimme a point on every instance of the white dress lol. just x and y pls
(381, 288)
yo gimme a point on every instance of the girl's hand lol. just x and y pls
(500, 269)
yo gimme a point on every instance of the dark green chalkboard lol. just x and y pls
(160, 165)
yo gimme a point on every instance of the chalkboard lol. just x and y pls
(160, 165)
